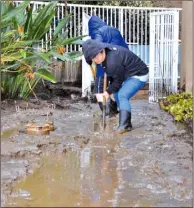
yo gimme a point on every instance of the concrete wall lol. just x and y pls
(187, 46)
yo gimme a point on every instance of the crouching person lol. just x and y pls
(128, 72)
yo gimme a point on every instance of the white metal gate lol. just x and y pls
(87, 77)
(163, 68)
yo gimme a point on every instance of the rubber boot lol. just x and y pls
(113, 109)
(124, 122)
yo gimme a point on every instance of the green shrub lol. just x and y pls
(179, 105)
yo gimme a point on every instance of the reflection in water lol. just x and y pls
(9, 132)
(110, 171)
(86, 178)
(90, 177)
(99, 179)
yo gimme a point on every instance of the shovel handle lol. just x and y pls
(105, 82)
(93, 71)
(104, 88)
(104, 101)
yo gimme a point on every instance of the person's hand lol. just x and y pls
(106, 95)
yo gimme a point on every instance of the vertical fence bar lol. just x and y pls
(46, 42)
(162, 41)
(111, 17)
(129, 26)
(165, 51)
(134, 26)
(155, 76)
(121, 22)
(125, 30)
(142, 55)
(115, 18)
(71, 28)
(138, 33)
(157, 61)
(103, 13)
(168, 53)
(62, 13)
(107, 20)
(74, 25)
(146, 37)
(99, 14)
(170, 50)
(152, 59)
(86, 10)
(79, 21)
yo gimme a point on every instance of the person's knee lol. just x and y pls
(122, 96)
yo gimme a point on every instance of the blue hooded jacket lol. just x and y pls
(100, 31)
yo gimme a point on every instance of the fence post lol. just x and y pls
(121, 21)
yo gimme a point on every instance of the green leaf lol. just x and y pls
(20, 44)
(72, 40)
(13, 13)
(5, 37)
(28, 25)
(11, 66)
(45, 74)
(46, 11)
(23, 53)
(44, 27)
(8, 33)
(67, 56)
(5, 7)
(59, 56)
(61, 25)
(73, 55)
(78, 42)
(44, 56)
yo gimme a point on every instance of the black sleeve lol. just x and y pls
(116, 84)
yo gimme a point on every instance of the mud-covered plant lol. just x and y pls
(21, 30)
(179, 105)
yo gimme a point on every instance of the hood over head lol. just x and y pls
(91, 48)
(95, 23)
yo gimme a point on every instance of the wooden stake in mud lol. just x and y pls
(104, 101)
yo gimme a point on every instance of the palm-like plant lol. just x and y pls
(22, 29)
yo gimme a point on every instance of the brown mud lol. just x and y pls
(79, 164)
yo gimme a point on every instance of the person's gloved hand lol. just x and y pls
(99, 97)
(106, 95)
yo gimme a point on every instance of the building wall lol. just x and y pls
(187, 46)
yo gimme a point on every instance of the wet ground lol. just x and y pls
(79, 164)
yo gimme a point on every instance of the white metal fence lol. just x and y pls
(133, 22)
(163, 73)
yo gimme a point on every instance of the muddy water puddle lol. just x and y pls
(101, 174)
(10, 132)
(7, 133)
(139, 169)
(90, 177)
